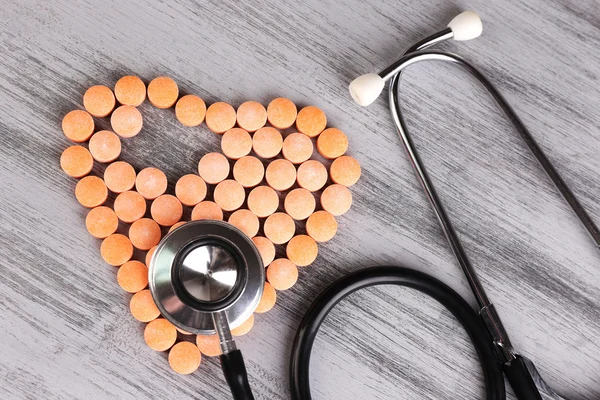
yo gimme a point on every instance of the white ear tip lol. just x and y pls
(366, 89)
(466, 26)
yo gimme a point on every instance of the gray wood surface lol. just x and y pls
(65, 329)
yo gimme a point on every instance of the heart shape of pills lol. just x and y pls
(251, 138)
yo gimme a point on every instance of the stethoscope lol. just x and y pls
(207, 277)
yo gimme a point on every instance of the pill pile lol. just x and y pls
(266, 181)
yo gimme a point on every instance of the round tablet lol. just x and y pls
(166, 210)
(149, 255)
(126, 121)
(175, 226)
(345, 170)
(142, 306)
(99, 101)
(220, 117)
(101, 222)
(265, 248)
(321, 226)
(282, 274)
(213, 168)
(299, 204)
(263, 201)
(246, 221)
(184, 358)
(251, 116)
(190, 110)
(105, 146)
(130, 206)
(248, 171)
(281, 113)
(311, 121)
(163, 92)
(160, 334)
(119, 176)
(312, 175)
(130, 91)
(190, 189)
(267, 300)
(336, 199)
(151, 183)
(207, 210)
(209, 345)
(279, 228)
(133, 276)
(297, 148)
(78, 125)
(144, 233)
(76, 161)
(280, 174)
(302, 250)
(229, 195)
(244, 328)
(91, 191)
(236, 143)
(332, 143)
(116, 249)
(267, 142)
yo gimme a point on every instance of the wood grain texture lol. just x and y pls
(65, 330)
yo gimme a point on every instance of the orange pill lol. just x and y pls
(297, 148)
(302, 250)
(299, 204)
(311, 121)
(229, 195)
(101, 222)
(78, 125)
(312, 175)
(213, 168)
(151, 183)
(116, 249)
(321, 226)
(246, 221)
(332, 143)
(182, 331)
(163, 92)
(267, 300)
(99, 101)
(149, 255)
(126, 121)
(190, 189)
(166, 209)
(130, 91)
(105, 146)
(220, 117)
(190, 110)
(248, 171)
(175, 226)
(119, 177)
(263, 201)
(244, 328)
(76, 161)
(345, 170)
(282, 274)
(251, 116)
(130, 206)
(133, 276)
(236, 143)
(279, 228)
(281, 113)
(91, 191)
(267, 142)
(207, 210)
(144, 233)
(336, 199)
(280, 174)
(184, 358)
(265, 248)
(160, 334)
(142, 306)
(209, 345)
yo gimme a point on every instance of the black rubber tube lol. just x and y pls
(317, 312)
(234, 370)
